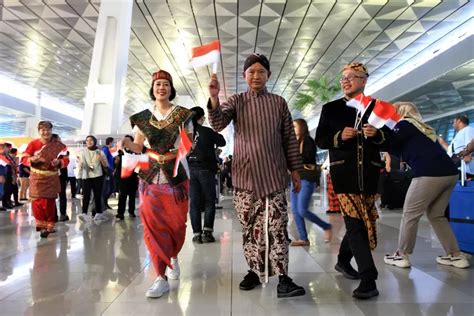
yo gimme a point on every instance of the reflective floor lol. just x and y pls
(105, 270)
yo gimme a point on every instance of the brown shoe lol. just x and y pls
(300, 243)
(327, 235)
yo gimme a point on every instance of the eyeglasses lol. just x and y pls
(350, 78)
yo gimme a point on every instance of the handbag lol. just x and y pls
(455, 158)
(311, 172)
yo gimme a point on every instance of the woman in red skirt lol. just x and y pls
(163, 192)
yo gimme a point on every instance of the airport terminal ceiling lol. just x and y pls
(48, 44)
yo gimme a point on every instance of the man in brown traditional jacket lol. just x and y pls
(265, 148)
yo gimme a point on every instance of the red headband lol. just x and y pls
(161, 74)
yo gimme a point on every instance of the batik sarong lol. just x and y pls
(251, 214)
(333, 202)
(361, 206)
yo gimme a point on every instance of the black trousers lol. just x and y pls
(356, 244)
(7, 190)
(62, 194)
(94, 184)
(124, 192)
(15, 192)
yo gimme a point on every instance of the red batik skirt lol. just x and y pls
(163, 211)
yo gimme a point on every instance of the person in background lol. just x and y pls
(92, 164)
(63, 217)
(464, 135)
(127, 186)
(109, 184)
(202, 189)
(71, 175)
(41, 154)
(434, 179)
(226, 173)
(15, 169)
(78, 175)
(24, 176)
(3, 164)
(9, 177)
(309, 177)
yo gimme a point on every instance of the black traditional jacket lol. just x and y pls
(161, 136)
(355, 164)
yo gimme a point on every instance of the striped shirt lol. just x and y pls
(265, 145)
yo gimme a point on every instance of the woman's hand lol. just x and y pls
(296, 180)
(124, 143)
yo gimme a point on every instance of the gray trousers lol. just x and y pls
(428, 195)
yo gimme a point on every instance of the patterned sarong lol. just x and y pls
(333, 202)
(361, 206)
(44, 184)
(251, 214)
(163, 211)
(44, 211)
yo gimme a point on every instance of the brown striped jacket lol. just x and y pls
(265, 145)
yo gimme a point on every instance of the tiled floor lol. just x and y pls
(95, 270)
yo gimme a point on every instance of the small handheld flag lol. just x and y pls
(383, 113)
(207, 54)
(360, 102)
(183, 149)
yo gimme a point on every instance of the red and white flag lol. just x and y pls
(206, 55)
(114, 151)
(384, 113)
(131, 162)
(4, 161)
(183, 150)
(359, 102)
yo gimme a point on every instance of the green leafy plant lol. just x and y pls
(317, 91)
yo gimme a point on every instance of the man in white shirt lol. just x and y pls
(464, 135)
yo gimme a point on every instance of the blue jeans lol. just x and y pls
(202, 192)
(299, 206)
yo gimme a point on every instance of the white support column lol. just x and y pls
(105, 93)
(31, 128)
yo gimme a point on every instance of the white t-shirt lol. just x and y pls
(71, 167)
(460, 141)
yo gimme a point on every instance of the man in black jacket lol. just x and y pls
(203, 167)
(354, 154)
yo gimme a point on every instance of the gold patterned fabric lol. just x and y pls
(357, 67)
(361, 206)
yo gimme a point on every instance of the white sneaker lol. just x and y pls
(159, 287)
(84, 217)
(173, 274)
(397, 260)
(458, 261)
(108, 213)
(99, 218)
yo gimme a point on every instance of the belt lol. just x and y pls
(161, 159)
(44, 172)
